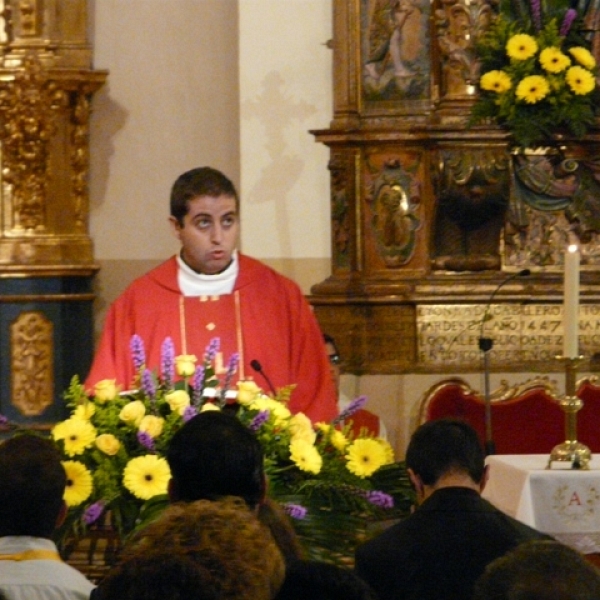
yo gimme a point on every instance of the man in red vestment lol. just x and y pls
(210, 290)
(362, 419)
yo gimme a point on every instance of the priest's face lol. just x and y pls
(209, 233)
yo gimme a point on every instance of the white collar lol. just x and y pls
(200, 284)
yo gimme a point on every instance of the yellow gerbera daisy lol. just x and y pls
(365, 456)
(495, 81)
(147, 476)
(580, 80)
(553, 60)
(305, 456)
(76, 434)
(79, 483)
(532, 89)
(521, 46)
(583, 56)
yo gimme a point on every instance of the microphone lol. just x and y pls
(485, 345)
(258, 368)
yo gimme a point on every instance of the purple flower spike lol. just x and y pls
(189, 413)
(212, 349)
(296, 511)
(3, 420)
(138, 352)
(567, 22)
(353, 407)
(234, 361)
(145, 439)
(167, 359)
(148, 384)
(382, 499)
(259, 420)
(92, 512)
(536, 14)
(198, 385)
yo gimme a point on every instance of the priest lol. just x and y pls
(211, 290)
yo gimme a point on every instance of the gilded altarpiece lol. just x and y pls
(46, 255)
(430, 215)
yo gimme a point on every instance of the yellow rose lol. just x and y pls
(105, 390)
(276, 408)
(185, 365)
(133, 412)
(108, 444)
(247, 391)
(178, 400)
(152, 425)
(209, 406)
(84, 411)
(301, 428)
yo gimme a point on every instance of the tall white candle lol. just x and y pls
(571, 303)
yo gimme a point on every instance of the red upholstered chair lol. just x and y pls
(526, 418)
(588, 418)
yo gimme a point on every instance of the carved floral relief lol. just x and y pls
(31, 363)
(394, 197)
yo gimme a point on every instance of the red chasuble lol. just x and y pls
(266, 318)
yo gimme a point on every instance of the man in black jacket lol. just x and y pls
(444, 546)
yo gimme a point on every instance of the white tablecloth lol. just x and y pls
(562, 502)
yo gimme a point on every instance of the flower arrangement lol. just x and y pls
(114, 446)
(538, 74)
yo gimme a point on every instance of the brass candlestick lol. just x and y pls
(579, 455)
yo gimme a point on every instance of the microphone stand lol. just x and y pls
(485, 345)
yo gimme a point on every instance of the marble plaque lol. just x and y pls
(448, 335)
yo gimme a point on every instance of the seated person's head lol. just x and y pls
(215, 455)
(32, 485)
(223, 536)
(317, 580)
(539, 570)
(445, 446)
(157, 576)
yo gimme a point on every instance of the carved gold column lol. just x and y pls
(46, 254)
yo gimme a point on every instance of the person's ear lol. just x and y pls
(485, 478)
(62, 515)
(417, 483)
(175, 227)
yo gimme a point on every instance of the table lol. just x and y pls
(562, 502)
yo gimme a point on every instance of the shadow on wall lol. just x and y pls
(277, 113)
(108, 117)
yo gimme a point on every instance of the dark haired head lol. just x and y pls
(215, 455)
(158, 576)
(539, 570)
(323, 581)
(32, 485)
(203, 181)
(443, 446)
